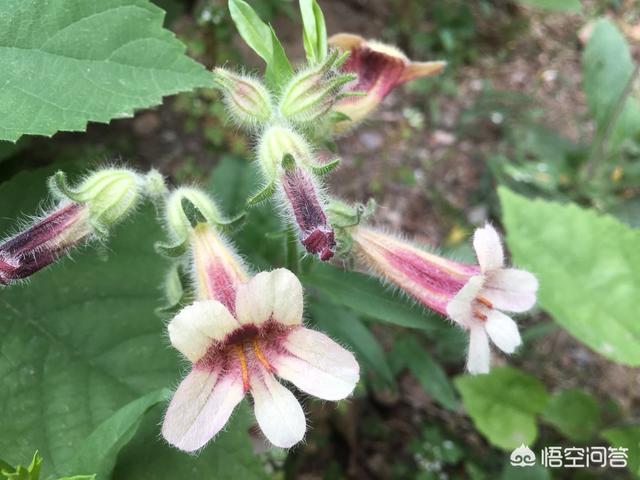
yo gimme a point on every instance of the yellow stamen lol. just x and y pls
(243, 366)
(484, 302)
(263, 360)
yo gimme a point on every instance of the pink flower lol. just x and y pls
(379, 68)
(240, 335)
(471, 295)
(44, 242)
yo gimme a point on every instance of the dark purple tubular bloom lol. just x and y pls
(43, 242)
(315, 232)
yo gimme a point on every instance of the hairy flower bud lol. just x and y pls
(379, 69)
(178, 215)
(247, 100)
(88, 210)
(311, 93)
(286, 160)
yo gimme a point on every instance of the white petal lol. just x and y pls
(318, 365)
(279, 414)
(503, 331)
(200, 408)
(511, 289)
(196, 327)
(276, 294)
(479, 356)
(459, 307)
(488, 247)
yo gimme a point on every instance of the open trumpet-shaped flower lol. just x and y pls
(379, 68)
(471, 295)
(239, 334)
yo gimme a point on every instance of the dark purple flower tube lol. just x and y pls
(43, 242)
(302, 197)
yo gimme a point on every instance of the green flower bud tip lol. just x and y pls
(248, 102)
(178, 221)
(154, 185)
(110, 194)
(311, 93)
(278, 142)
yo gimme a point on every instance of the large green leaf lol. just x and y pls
(66, 63)
(228, 457)
(589, 270)
(607, 67)
(627, 436)
(367, 297)
(503, 405)
(574, 413)
(434, 380)
(79, 342)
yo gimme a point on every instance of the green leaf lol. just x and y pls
(343, 325)
(627, 437)
(574, 413)
(66, 63)
(367, 297)
(314, 35)
(555, 5)
(588, 266)
(99, 450)
(262, 39)
(503, 405)
(429, 373)
(534, 472)
(607, 67)
(32, 472)
(228, 457)
(81, 341)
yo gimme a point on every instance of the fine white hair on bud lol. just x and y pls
(276, 143)
(109, 194)
(247, 100)
(311, 93)
(179, 221)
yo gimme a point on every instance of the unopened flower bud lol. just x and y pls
(109, 194)
(247, 100)
(311, 93)
(286, 160)
(83, 212)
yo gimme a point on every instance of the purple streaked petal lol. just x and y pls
(200, 408)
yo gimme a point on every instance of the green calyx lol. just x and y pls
(344, 217)
(185, 209)
(110, 194)
(247, 100)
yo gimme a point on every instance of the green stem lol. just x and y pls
(291, 248)
(600, 143)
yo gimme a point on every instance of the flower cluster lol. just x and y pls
(240, 333)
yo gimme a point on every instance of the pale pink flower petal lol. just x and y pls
(479, 356)
(460, 308)
(503, 331)
(273, 295)
(279, 414)
(511, 289)
(200, 408)
(488, 247)
(193, 330)
(318, 365)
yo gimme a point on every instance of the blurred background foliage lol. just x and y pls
(540, 99)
